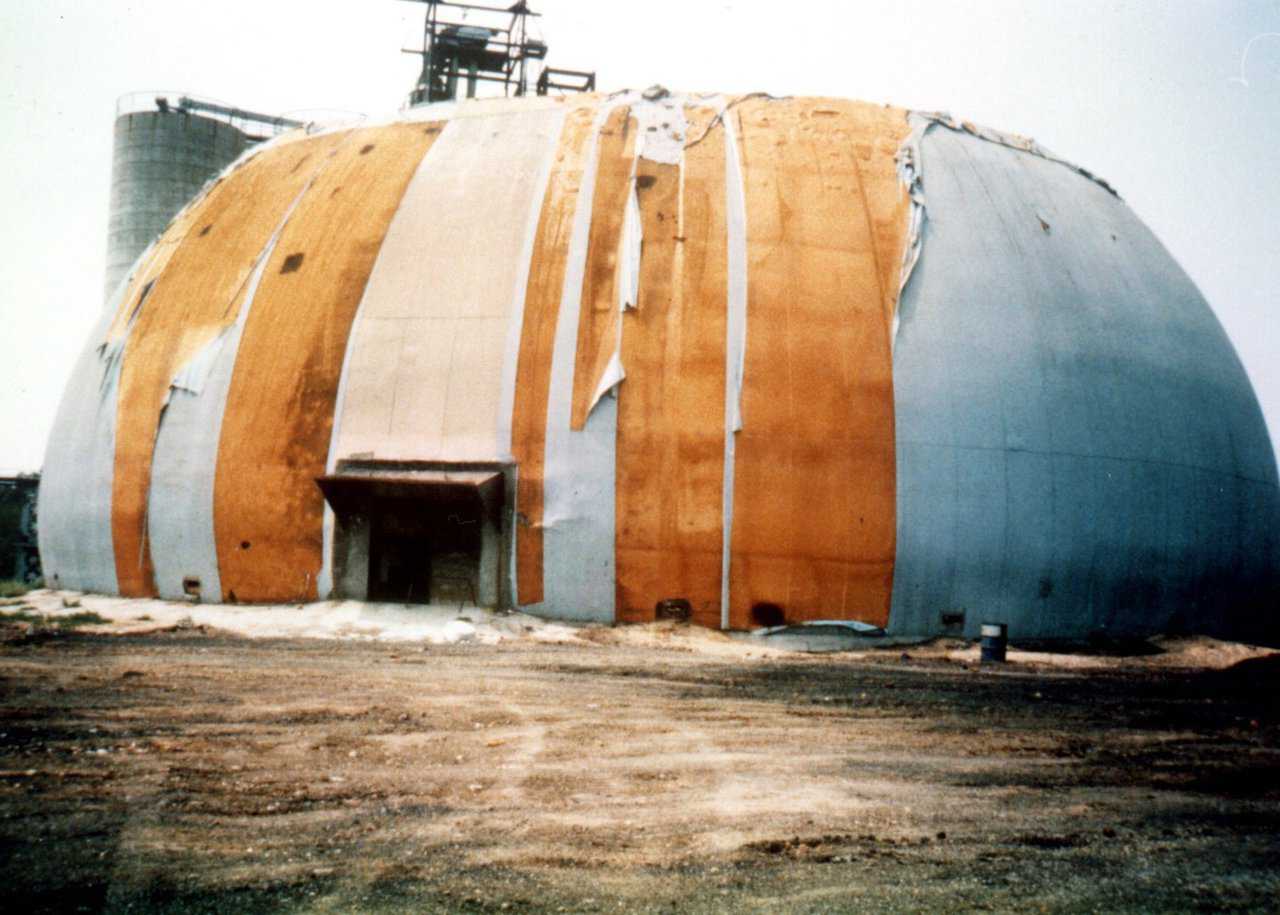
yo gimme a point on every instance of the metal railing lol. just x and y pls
(179, 101)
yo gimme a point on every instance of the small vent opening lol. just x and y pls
(673, 608)
(768, 614)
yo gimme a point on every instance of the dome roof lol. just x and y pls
(750, 356)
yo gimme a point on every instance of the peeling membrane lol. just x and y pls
(190, 304)
(110, 334)
(817, 387)
(533, 359)
(669, 509)
(722, 107)
(1011, 140)
(910, 174)
(579, 480)
(612, 377)
(908, 162)
(111, 351)
(192, 377)
(662, 130)
(180, 500)
(1033, 198)
(660, 117)
(629, 251)
(662, 135)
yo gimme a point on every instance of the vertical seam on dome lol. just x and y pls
(735, 338)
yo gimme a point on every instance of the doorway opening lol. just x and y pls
(426, 550)
(406, 533)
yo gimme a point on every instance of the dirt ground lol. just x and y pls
(646, 769)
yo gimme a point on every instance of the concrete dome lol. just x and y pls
(807, 357)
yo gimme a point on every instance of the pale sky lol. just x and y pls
(1158, 97)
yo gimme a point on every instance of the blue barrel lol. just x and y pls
(995, 640)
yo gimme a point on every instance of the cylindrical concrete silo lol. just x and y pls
(162, 155)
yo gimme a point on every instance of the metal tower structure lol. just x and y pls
(495, 47)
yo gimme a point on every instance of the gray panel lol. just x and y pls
(1079, 449)
(1027, 572)
(578, 581)
(183, 466)
(76, 549)
(928, 512)
(184, 463)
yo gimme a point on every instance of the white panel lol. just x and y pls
(736, 337)
(424, 363)
(472, 416)
(369, 375)
(456, 252)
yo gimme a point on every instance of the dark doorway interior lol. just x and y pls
(420, 533)
(426, 549)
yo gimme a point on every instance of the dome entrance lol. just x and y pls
(414, 535)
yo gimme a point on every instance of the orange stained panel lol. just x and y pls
(814, 507)
(533, 366)
(268, 511)
(200, 274)
(875, 149)
(195, 214)
(598, 321)
(155, 263)
(671, 405)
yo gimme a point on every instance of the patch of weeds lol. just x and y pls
(13, 588)
(70, 621)
(82, 618)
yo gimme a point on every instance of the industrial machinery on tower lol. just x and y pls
(494, 47)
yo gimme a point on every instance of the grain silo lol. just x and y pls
(166, 146)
